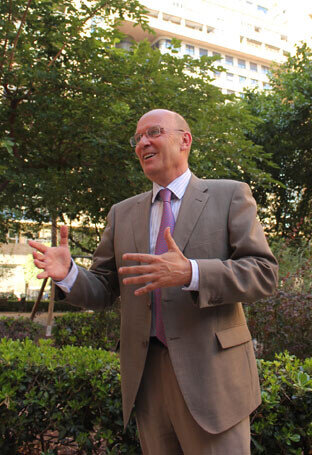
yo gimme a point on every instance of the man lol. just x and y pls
(187, 361)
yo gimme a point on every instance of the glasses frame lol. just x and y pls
(135, 139)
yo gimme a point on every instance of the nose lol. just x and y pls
(145, 140)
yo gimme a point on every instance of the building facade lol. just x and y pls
(246, 35)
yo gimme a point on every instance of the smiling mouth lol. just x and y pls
(148, 156)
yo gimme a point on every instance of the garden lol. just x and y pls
(69, 103)
(62, 395)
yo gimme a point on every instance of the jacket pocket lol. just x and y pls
(234, 336)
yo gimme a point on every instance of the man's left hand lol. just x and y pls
(158, 271)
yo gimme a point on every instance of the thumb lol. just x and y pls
(169, 240)
(63, 236)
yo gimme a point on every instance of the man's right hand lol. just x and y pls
(55, 261)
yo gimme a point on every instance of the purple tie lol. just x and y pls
(167, 220)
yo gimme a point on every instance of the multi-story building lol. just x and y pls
(247, 35)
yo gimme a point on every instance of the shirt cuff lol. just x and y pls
(68, 282)
(194, 284)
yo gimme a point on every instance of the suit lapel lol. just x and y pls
(141, 222)
(193, 202)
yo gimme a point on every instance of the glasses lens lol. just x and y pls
(153, 131)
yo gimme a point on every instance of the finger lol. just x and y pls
(145, 289)
(42, 275)
(39, 264)
(136, 269)
(64, 235)
(169, 240)
(39, 246)
(139, 257)
(139, 279)
(38, 256)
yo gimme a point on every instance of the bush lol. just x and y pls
(69, 396)
(282, 425)
(282, 322)
(26, 307)
(96, 330)
(20, 328)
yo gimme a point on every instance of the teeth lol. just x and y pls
(146, 157)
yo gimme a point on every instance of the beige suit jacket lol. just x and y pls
(208, 340)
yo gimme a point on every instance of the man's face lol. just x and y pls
(162, 158)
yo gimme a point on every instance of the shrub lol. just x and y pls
(282, 425)
(69, 396)
(282, 322)
(20, 328)
(26, 307)
(96, 330)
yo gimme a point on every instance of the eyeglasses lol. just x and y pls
(153, 131)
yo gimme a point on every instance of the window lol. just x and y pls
(203, 52)
(264, 69)
(254, 82)
(253, 66)
(230, 77)
(242, 80)
(266, 86)
(189, 49)
(229, 60)
(216, 54)
(284, 38)
(241, 63)
(262, 9)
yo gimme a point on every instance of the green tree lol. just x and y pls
(71, 101)
(285, 131)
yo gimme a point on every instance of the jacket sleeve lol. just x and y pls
(98, 287)
(251, 271)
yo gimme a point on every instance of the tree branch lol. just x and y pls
(78, 244)
(64, 45)
(6, 39)
(18, 34)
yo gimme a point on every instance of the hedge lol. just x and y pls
(282, 322)
(72, 396)
(20, 328)
(26, 307)
(96, 330)
(69, 396)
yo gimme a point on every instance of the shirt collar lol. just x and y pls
(177, 186)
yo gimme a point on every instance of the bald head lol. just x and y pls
(176, 120)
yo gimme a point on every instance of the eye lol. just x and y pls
(154, 131)
(137, 138)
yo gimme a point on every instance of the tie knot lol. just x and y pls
(165, 195)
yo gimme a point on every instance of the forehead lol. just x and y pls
(163, 119)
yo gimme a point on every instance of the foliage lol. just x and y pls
(72, 395)
(284, 320)
(285, 115)
(282, 425)
(281, 322)
(70, 114)
(96, 330)
(69, 395)
(12, 305)
(20, 328)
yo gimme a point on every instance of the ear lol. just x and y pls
(186, 141)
